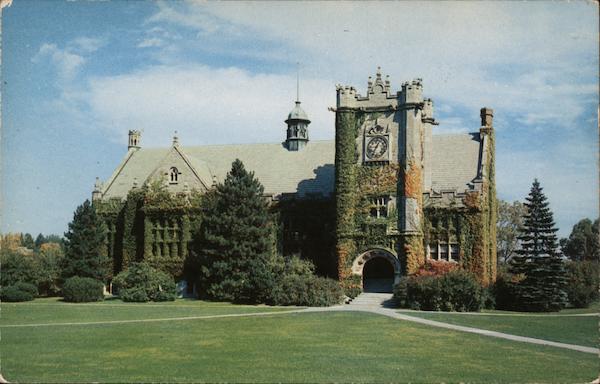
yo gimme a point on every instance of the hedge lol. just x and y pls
(454, 291)
(82, 289)
(19, 292)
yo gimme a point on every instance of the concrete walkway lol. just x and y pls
(379, 303)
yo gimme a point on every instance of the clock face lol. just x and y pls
(376, 147)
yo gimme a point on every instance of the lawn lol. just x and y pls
(298, 347)
(56, 311)
(564, 327)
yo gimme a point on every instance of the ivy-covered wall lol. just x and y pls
(356, 188)
(151, 225)
(470, 221)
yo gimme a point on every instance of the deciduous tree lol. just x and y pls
(510, 219)
(583, 242)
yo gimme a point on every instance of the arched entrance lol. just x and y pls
(378, 275)
(379, 269)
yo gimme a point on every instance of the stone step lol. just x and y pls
(373, 299)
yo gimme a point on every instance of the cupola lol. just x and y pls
(134, 139)
(297, 128)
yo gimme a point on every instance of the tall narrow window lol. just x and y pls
(173, 175)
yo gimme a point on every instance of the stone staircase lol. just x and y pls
(369, 299)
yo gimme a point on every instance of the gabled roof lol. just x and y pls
(305, 172)
(454, 161)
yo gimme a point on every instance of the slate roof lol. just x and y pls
(309, 171)
(455, 164)
(454, 161)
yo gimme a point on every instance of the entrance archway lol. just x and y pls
(379, 269)
(378, 275)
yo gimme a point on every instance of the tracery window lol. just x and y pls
(379, 206)
(173, 175)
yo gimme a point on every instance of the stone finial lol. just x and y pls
(175, 139)
(379, 73)
(97, 193)
(487, 117)
(134, 139)
(135, 182)
(214, 181)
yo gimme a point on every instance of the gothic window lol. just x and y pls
(173, 175)
(379, 206)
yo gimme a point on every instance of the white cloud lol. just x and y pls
(456, 47)
(205, 105)
(151, 42)
(87, 44)
(67, 63)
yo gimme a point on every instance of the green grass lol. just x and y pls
(55, 311)
(301, 347)
(561, 327)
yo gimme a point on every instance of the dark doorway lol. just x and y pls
(378, 275)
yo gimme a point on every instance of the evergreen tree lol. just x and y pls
(538, 261)
(85, 246)
(236, 244)
(27, 241)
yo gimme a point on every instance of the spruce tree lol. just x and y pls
(538, 260)
(85, 246)
(236, 245)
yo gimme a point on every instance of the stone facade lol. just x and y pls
(387, 193)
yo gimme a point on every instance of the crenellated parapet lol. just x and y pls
(379, 95)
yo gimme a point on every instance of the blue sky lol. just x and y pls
(78, 75)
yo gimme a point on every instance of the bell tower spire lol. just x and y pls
(297, 123)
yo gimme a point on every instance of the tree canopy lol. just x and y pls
(583, 242)
(237, 241)
(510, 219)
(85, 246)
(538, 260)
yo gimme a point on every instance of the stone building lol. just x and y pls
(368, 207)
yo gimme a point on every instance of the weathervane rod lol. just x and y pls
(297, 81)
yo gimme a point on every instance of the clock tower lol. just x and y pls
(382, 168)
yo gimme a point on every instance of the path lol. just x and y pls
(378, 303)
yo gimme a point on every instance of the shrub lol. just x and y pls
(583, 280)
(17, 268)
(456, 290)
(19, 292)
(141, 283)
(352, 286)
(400, 292)
(82, 289)
(135, 294)
(306, 290)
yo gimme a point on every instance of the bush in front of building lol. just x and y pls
(19, 292)
(141, 283)
(82, 289)
(306, 290)
(456, 290)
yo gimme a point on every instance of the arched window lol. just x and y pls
(173, 175)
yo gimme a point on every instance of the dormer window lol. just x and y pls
(173, 175)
